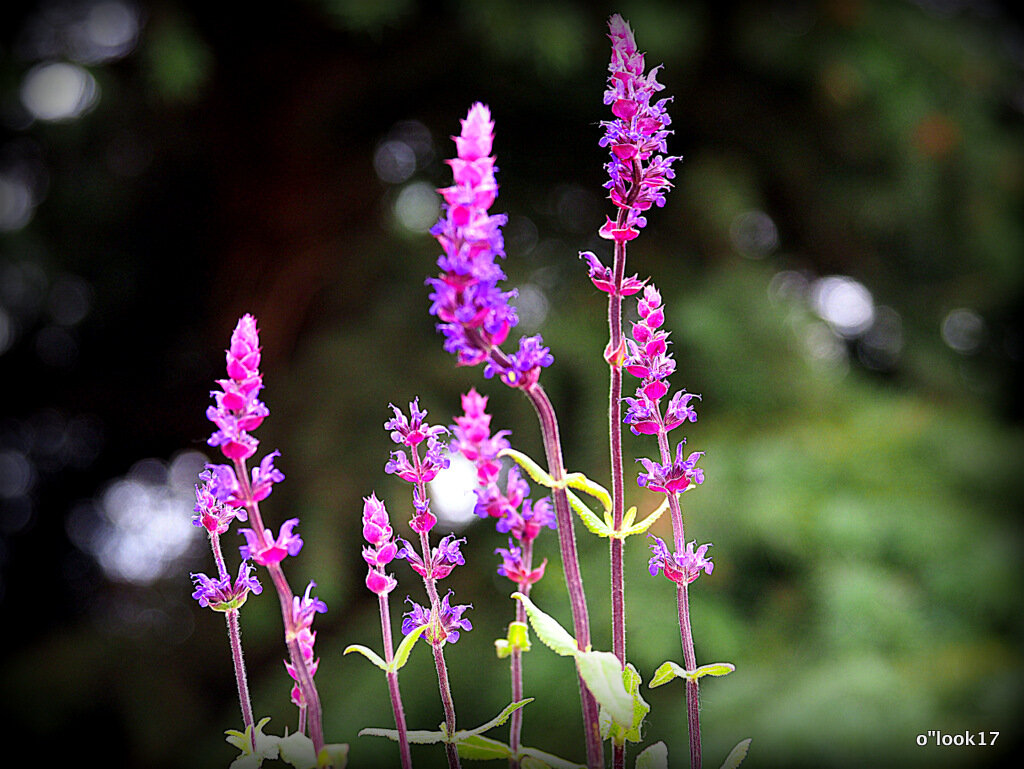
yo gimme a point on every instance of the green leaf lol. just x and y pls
(531, 762)
(548, 630)
(416, 737)
(594, 524)
(736, 755)
(535, 471)
(670, 670)
(478, 748)
(334, 755)
(580, 482)
(297, 750)
(653, 757)
(404, 650)
(602, 673)
(370, 654)
(498, 720)
(266, 745)
(646, 523)
(621, 733)
(544, 759)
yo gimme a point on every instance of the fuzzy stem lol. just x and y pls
(570, 564)
(435, 609)
(235, 640)
(683, 606)
(393, 690)
(516, 721)
(311, 697)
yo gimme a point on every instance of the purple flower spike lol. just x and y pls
(412, 430)
(602, 278)
(639, 175)
(237, 410)
(222, 594)
(512, 566)
(273, 551)
(681, 567)
(209, 512)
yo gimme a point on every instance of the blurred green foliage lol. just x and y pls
(864, 508)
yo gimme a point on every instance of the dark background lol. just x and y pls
(190, 161)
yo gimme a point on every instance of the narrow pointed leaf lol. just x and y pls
(498, 720)
(548, 630)
(646, 523)
(715, 669)
(669, 670)
(653, 757)
(370, 654)
(535, 471)
(580, 482)
(478, 748)
(602, 673)
(416, 737)
(404, 650)
(546, 759)
(736, 755)
(665, 673)
(594, 524)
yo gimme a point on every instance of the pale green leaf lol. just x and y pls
(670, 670)
(666, 672)
(646, 523)
(620, 733)
(545, 759)
(498, 720)
(715, 669)
(334, 755)
(416, 737)
(297, 750)
(602, 673)
(476, 747)
(548, 630)
(404, 650)
(653, 757)
(370, 654)
(736, 755)
(580, 482)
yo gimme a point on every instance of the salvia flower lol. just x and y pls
(526, 523)
(474, 312)
(442, 628)
(222, 594)
(639, 173)
(304, 610)
(212, 514)
(473, 437)
(442, 560)
(603, 279)
(382, 548)
(681, 567)
(270, 550)
(412, 430)
(674, 477)
(514, 567)
(237, 410)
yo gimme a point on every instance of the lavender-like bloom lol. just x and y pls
(444, 628)
(238, 410)
(275, 551)
(603, 278)
(640, 174)
(514, 567)
(526, 523)
(212, 514)
(442, 561)
(674, 477)
(382, 548)
(475, 313)
(473, 438)
(304, 610)
(681, 567)
(222, 594)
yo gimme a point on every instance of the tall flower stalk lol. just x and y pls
(237, 412)
(475, 318)
(639, 176)
(443, 621)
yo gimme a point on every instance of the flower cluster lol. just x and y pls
(640, 174)
(604, 280)
(514, 513)
(681, 567)
(474, 312)
(411, 431)
(442, 628)
(266, 550)
(210, 512)
(222, 594)
(304, 610)
(238, 410)
(441, 561)
(382, 548)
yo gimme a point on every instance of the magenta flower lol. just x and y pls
(514, 567)
(473, 437)
(222, 594)
(444, 628)
(526, 524)
(412, 430)
(442, 560)
(603, 279)
(639, 174)
(674, 477)
(212, 514)
(474, 313)
(238, 410)
(271, 550)
(683, 567)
